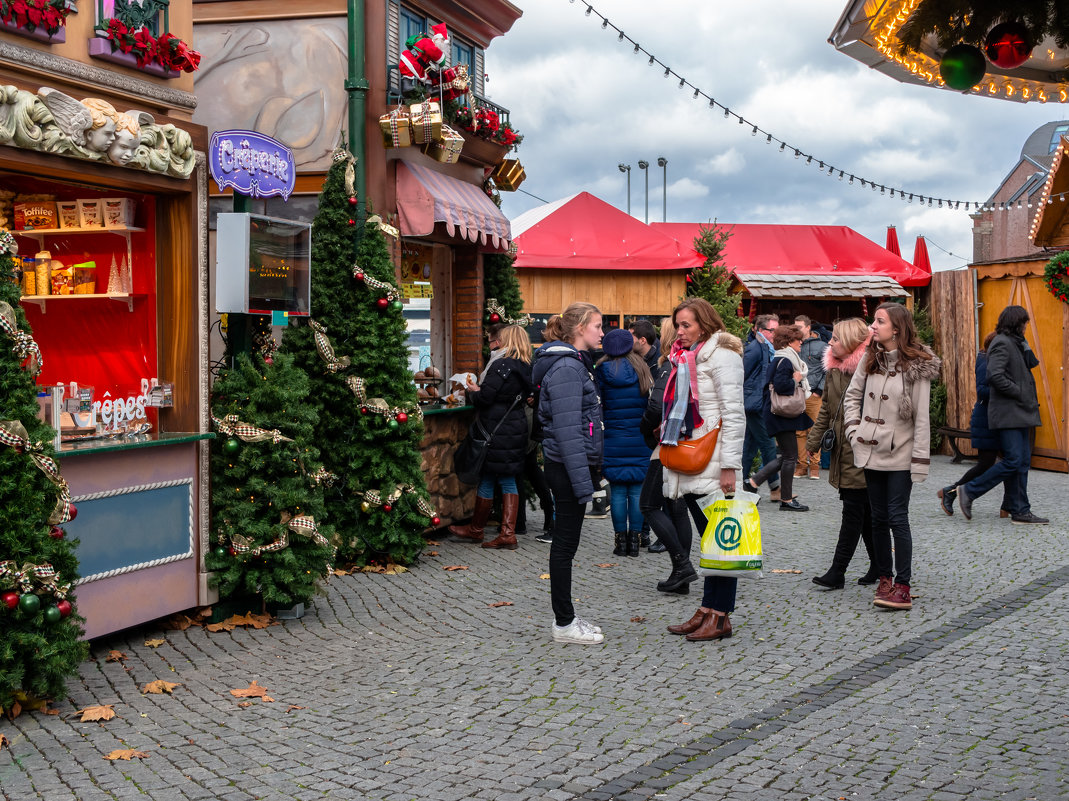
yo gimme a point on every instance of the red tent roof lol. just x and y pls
(804, 250)
(892, 241)
(582, 232)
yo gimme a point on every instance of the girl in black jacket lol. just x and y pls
(501, 401)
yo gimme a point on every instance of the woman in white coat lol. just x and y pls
(704, 390)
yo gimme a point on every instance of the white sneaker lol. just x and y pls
(578, 631)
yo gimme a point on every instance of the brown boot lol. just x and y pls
(473, 531)
(716, 626)
(883, 590)
(814, 470)
(506, 534)
(690, 625)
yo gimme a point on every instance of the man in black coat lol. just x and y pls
(647, 345)
(1012, 413)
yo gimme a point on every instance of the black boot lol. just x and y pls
(832, 580)
(680, 578)
(644, 538)
(632, 543)
(873, 575)
(620, 541)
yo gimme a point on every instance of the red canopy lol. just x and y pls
(892, 241)
(582, 232)
(804, 250)
(920, 256)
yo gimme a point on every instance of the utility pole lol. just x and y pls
(626, 168)
(356, 86)
(663, 162)
(645, 167)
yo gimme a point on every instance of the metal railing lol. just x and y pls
(396, 88)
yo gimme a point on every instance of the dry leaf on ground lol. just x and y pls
(244, 704)
(181, 622)
(639, 619)
(606, 564)
(341, 572)
(254, 690)
(155, 643)
(100, 712)
(544, 576)
(294, 706)
(496, 604)
(455, 567)
(778, 570)
(248, 619)
(159, 687)
(431, 553)
(394, 570)
(14, 710)
(51, 711)
(115, 656)
(4, 742)
(433, 542)
(127, 754)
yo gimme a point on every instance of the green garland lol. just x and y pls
(968, 21)
(1057, 276)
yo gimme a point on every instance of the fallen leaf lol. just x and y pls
(248, 619)
(254, 690)
(115, 656)
(154, 643)
(431, 553)
(101, 712)
(544, 576)
(606, 564)
(914, 597)
(127, 754)
(51, 711)
(496, 604)
(373, 569)
(394, 570)
(455, 567)
(293, 707)
(341, 572)
(14, 710)
(245, 704)
(639, 619)
(433, 542)
(180, 622)
(216, 627)
(4, 742)
(160, 687)
(777, 570)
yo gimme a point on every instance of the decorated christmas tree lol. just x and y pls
(268, 517)
(354, 351)
(39, 629)
(502, 289)
(713, 282)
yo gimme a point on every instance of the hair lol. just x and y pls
(909, 347)
(762, 320)
(708, 318)
(515, 342)
(100, 111)
(494, 331)
(851, 332)
(987, 341)
(126, 122)
(643, 329)
(802, 318)
(668, 338)
(565, 326)
(785, 335)
(642, 370)
(1012, 321)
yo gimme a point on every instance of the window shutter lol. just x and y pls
(478, 80)
(393, 44)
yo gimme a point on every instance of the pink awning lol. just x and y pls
(426, 197)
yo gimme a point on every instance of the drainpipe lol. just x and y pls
(356, 86)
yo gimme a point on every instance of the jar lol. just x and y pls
(85, 278)
(42, 268)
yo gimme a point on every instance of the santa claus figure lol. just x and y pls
(425, 53)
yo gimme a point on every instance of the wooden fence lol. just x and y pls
(953, 311)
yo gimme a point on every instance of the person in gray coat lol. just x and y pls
(1013, 414)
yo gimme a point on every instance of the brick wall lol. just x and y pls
(467, 309)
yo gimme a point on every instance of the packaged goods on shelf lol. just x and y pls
(90, 214)
(35, 214)
(118, 212)
(67, 211)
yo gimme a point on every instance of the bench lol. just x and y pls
(952, 436)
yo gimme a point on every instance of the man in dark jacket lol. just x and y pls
(647, 345)
(1013, 414)
(755, 361)
(812, 354)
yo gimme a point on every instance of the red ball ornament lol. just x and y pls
(232, 551)
(382, 304)
(402, 417)
(56, 533)
(436, 521)
(495, 318)
(387, 507)
(363, 410)
(359, 276)
(73, 511)
(1008, 45)
(10, 599)
(352, 200)
(65, 608)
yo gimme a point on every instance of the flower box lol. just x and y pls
(39, 34)
(481, 151)
(101, 48)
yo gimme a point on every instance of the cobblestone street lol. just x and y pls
(417, 687)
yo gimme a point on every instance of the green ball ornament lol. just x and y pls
(232, 446)
(397, 306)
(393, 425)
(53, 615)
(962, 67)
(220, 551)
(30, 603)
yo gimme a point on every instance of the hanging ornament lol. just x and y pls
(232, 446)
(363, 410)
(1008, 45)
(30, 603)
(397, 305)
(358, 276)
(365, 507)
(10, 599)
(352, 221)
(962, 67)
(220, 551)
(56, 533)
(232, 551)
(65, 608)
(352, 200)
(402, 417)
(435, 521)
(72, 511)
(393, 425)
(387, 507)
(382, 304)
(53, 615)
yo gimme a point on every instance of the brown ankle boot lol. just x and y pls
(473, 531)
(690, 625)
(506, 534)
(883, 590)
(715, 626)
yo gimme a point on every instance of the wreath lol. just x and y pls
(1056, 275)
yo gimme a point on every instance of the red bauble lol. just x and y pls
(352, 200)
(402, 417)
(387, 508)
(435, 521)
(10, 599)
(382, 304)
(73, 511)
(359, 276)
(363, 410)
(495, 318)
(1008, 45)
(56, 533)
(65, 608)
(232, 551)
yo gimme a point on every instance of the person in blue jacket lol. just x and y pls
(570, 413)
(624, 382)
(755, 361)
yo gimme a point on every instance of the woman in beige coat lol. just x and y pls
(886, 410)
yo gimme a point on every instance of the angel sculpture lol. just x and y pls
(127, 133)
(90, 128)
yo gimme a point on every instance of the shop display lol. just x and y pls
(426, 121)
(85, 278)
(118, 212)
(90, 214)
(446, 147)
(62, 278)
(35, 214)
(67, 211)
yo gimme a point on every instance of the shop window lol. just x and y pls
(1056, 137)
(426, 282)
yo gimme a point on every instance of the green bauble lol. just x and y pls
(220, 551)
(53, 615)
(962, 67)
(232, 446)
(30, 603)
(393, 425)
(397, 306)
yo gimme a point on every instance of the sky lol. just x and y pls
(585, 103)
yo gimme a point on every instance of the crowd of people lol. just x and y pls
(856, 394)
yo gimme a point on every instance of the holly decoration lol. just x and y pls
(962, 67)
(1008, 45)
(1056, 274)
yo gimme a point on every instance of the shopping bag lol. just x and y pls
(731, 544)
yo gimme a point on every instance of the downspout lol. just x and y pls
(356, 86)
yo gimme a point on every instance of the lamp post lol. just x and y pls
(663, 162)
(626, 168)
(645, 167)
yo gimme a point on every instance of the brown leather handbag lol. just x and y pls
(690, 456)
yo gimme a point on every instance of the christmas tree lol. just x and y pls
(39, 630)
(501, 288)
(268, 513)
(713, 282)
(354, 352)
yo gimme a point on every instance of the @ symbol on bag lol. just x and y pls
(728, 534)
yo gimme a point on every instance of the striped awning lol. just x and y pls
(426, 197)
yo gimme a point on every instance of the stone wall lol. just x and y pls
(452, 500)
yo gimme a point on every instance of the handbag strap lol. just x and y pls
(490, 436)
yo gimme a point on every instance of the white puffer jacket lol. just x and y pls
(720, 377)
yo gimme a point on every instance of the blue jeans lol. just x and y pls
(625, 508)
(488, 481)
(1016, 447)
(757, 439)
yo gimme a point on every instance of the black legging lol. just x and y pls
(533, 473)
(783, 464)
(566, 531)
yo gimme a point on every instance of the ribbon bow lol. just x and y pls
(24, 346)
(232, 426)
(326, 350)
(14, 434)
(11, 575)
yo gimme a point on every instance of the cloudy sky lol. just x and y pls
(586, 102)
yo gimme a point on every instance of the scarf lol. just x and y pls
(494, 356)
(768, 344)
(681, 394)
(796, 359)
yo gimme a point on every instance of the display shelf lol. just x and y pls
(42, 300)
(124, 444)
(38, 233)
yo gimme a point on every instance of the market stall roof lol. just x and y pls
(426, 197)
(827, 287)
(582, 232)
(1049, 222)
(868, 31)
(920, 256)
(892, 241)
(804, 250)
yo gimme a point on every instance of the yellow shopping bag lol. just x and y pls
(731, 544)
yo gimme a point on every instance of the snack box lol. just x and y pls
(34, 215)
(67, 211)
(118, 212)
(90, 214)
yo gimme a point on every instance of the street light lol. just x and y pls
(627, 168)
(645, 167)
(663, 162)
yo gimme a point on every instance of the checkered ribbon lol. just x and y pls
(326, 350)
(24, 578)
(322, 476)
(392, 292)
(304, 525)
(425, 121)
(24, 346)
(493, 307)
(13, 433)
(374, 498)
(461, 81)
(232, 426)
(387, 229)
(378, 405)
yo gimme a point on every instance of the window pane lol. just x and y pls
(411, 25)
(464, 54)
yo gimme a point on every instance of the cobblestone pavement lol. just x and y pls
(416, 687)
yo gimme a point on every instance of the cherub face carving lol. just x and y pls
(124, 146)
(100, 139)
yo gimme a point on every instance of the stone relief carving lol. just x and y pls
(92, 130)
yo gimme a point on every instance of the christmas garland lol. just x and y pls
(969, 22)
(232, 426)
(305, 525)
(46, 578)
(24, 346)
(1057, 276)
(374, 498)
(496, 314)
(13, 433)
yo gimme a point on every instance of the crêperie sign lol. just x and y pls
(251, 163)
